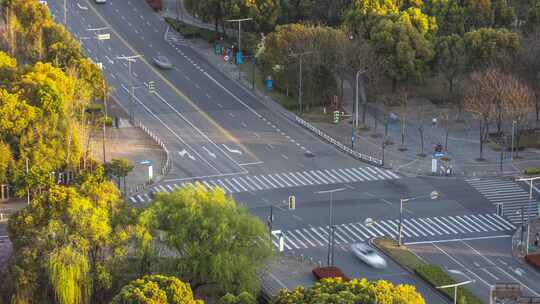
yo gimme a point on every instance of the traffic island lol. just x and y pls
(433, 275)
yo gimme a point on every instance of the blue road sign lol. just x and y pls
(145, 162)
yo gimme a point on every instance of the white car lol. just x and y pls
(100, 1)
(42, 2)
(368, 255)
(163, 62)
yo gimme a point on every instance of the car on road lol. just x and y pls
(368, 255)
(100, 1)
(162, 62)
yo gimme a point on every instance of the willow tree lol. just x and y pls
(68, 274)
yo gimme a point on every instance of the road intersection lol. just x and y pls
(220, 135)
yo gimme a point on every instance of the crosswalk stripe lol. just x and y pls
(436, 220)
(485, 224)
(433, 228)
(383, 173)
(341, 175)
(132, 199)
(356, 175)
(392, 174)
(350, 177)
(297, 179)
(252, 180)
(233, 186)
(309, 177)
(313, 237)
(140, 198)
(301, 178)
(278, 176)
(240, 185)
(344, 234)
(162, 188)
(353, 225)
(393, 231)
(501, 220)
(169, 186)
(288, 235)
(247, 183)
(474, 223)
(412, 227)
(464, 225)
(299, 232)
(422, 226)
(376, 230)
(224, 186)
(314, 229)
(268, 181)
(375, 173)
(293, 182)
(321, 179)
(336, 179)
(352, 232)
(339, 236)
(263, 185)
(362, 174)
(459, 224)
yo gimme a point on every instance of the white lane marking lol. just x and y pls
(212, 154)
(251, 164)
(235, 151)
(184, 152)
(198, 130)
(459, 239)
(171, 130)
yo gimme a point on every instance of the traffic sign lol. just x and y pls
(145, 162)
(103, 36)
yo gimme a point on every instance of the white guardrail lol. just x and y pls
(341, 146)
(166, 165)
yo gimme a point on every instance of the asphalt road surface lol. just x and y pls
(212, 127)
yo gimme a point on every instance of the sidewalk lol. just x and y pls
(463, 143)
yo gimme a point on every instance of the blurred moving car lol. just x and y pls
(100, 1)
(162, 62)
(368, 255)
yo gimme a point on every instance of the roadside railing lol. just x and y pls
(360, 156)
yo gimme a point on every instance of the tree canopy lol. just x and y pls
(354, 291)
(215, 242)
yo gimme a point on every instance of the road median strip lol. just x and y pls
(432, 274)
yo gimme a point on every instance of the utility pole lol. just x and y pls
(300, 85)
(65, 13)
(332, 229)
(129, 60)
(433, 195)
(513, 136)
(530, 180)
(358, 73)
(100, 38)
(239, 30)
(455, 286)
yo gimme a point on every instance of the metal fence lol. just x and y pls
(360, 156)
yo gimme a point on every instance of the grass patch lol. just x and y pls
(532, 171)
(436, 276)
(190, 31)
(432, 274)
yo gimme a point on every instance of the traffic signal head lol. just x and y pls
(292, 202)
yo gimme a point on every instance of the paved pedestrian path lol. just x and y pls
(261, 182)
(511, 197)
(415, 229)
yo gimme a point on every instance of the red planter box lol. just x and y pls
(534, 260)
(329, 272)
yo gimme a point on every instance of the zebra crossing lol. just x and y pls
(173, 38)
(282, 180)
(413, 229)
(509, 195)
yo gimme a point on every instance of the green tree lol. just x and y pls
(69, 242)
(354, 291)
(451, 58)
(364, 15)
(6, 162)
(405, 53)
(217, 242)
(242, 298)
(487, 46)
(450, 16)
(153, 289)
(119, 168)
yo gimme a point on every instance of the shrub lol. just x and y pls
(532, 171)
(436, 276)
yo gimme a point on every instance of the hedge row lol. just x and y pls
(436, 276)
(532, 171)
(432, 274)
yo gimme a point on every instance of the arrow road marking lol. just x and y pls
(82, 7)
(232, 150)
(209, 152)
(183, 153)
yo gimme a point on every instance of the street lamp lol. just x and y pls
(130, 59)
(530, 180)
(239, 30)
(358, 73)
(300, 87)
(102, 37)
(331, 228)
(291, 205)
(455, 286)
(433, 195)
